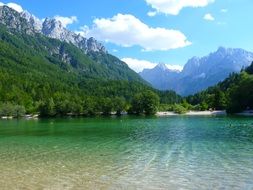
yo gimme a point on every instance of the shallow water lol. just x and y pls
(127, 153)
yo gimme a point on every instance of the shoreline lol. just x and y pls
(158, 114)
(246, 113)
(194, 113)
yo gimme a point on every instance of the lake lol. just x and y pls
(179, 152)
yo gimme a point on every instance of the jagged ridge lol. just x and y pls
(200, 73)
(49, 27)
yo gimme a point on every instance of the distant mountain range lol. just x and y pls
(199, 73)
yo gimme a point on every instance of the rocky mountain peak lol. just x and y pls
(162, 66)
(54, 29)
(191, 65)
(8, 12)
(34, 21)
(200, 73)
(221, 49)
(13, 20)
(53, 25)
(95, 46)
(30, 24)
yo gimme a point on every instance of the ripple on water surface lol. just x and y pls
(127, 153)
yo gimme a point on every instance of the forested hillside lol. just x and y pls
(46, 76)
(235, 94)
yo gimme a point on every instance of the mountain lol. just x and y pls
(43, 71)
(58, 45)
(15, 21)
(235, 94)
(200, 73)
(32, 20)
(160, 76)
(52, 28)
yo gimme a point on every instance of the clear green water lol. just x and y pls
(127, 153)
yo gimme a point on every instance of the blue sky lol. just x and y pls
(172, 34)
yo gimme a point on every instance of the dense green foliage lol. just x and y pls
(179, 107)
(145, 103)
(8, 110)
(235, 94)
(46, 76)
(249, 70)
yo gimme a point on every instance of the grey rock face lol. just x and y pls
(94, 46)
(54, 29)
(13, 20)
(200, 73)
(50, 27)
(32, 20)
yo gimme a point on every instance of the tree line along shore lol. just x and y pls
(234, 95)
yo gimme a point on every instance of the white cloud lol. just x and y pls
(83, 31)
(138, 65)
(66, 20)
(128, 31)
(173, 7)
(151, 13)
(224, 10)
(115, 50)
(14, 6)
(208, 17)
(175, 67)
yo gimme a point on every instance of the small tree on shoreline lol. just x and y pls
(145, 103)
